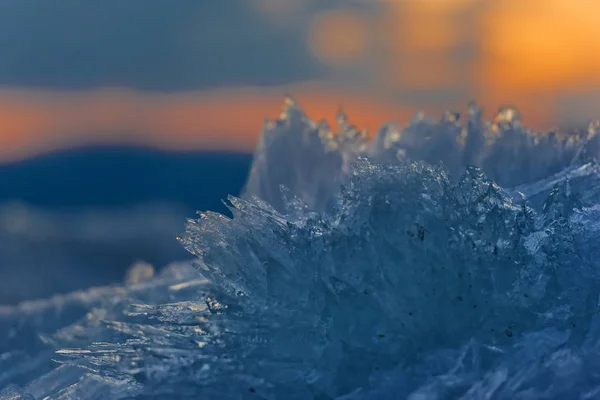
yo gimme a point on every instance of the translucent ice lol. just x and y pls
(374, 272)
(311, 161)
(315, 166)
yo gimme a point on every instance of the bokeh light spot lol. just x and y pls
(338, 36)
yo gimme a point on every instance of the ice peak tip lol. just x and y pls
(451, 116)
(289, 106)
(508, 115)
(341, 116)
(289, 101)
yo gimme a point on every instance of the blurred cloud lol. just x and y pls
(284, 14)
(148, 44)
(380, 60)
(534, 54)
(338, 36)
(543, 45)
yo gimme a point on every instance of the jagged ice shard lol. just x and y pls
(437, 261)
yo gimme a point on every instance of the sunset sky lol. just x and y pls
(203, 74)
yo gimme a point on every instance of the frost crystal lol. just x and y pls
(352, 270)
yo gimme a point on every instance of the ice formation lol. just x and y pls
(353, 269)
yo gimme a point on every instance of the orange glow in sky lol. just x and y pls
(419, 37)
(535, 54)
(543, 45)
(228, 119)
(530, 54)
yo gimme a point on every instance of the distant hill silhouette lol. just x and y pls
(123, 176)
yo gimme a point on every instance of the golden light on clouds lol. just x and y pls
(535, 54)
(528, 53)
(542, 45)
(33, 122)
(338, 36)
(418, 37)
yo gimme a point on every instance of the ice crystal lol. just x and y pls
(353, 269)
(310, 160)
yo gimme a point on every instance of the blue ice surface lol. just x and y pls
(438, 261)
(78, 218)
